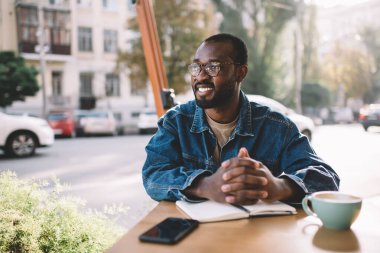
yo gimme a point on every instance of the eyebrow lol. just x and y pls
(211, 60)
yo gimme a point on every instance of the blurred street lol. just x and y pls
(107, 170)
(100, 170)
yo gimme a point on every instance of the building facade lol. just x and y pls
(75, 44)
(342, 23)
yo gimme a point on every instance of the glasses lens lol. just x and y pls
(194, 69)
(212, 68)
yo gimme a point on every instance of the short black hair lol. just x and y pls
(240, 49)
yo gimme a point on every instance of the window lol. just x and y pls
(85, 39)
(57, 23)
(28, 23)
(112, 85)
(110, 41)
(84, 3)
(110, 5)
(86, 84)
(57, 83)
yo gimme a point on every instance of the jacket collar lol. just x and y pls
(244, 123)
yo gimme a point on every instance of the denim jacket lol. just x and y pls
(182, 149)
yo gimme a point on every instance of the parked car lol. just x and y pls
(147, 122)
(21, 135)
(119, 123)
(62, 123)
(304, 124)
(370, 116)
(95, 122)
(342, 115)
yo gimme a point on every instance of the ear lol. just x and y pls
(242, 72)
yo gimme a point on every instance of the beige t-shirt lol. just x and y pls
(222, 133)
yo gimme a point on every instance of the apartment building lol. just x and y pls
(80, 42)
(344, 22)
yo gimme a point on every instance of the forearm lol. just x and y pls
(199, 188)
(305, 169)
(289, 190)
(170, 184)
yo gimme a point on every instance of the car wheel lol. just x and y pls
(307, 133)
(21, 144)
(79, 133)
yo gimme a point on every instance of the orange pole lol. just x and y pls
(152, 51)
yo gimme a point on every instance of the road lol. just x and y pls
(107, 170)
(100, 170)
(354, 154)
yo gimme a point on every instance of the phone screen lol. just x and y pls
(169, 231)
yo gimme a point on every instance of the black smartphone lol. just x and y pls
(169, 231)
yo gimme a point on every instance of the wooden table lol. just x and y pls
(295, 233)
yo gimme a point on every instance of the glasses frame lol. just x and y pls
(204, 66)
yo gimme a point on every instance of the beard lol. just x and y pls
(221, 97)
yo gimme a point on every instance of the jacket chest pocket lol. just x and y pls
(192, 161)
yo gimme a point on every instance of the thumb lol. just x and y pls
(243, 152)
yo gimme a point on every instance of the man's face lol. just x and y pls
(211, 92)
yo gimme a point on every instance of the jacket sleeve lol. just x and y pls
(300, 163)
(164, 176)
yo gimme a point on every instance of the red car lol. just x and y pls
(370, 116)
(62, 123)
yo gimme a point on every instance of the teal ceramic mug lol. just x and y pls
(336, 210)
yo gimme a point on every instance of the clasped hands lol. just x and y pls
(243, 180)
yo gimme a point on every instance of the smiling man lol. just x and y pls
(224, 148)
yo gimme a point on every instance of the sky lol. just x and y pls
(329, 3)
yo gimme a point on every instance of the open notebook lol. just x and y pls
(210, 211)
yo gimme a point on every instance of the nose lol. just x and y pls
(202, 75)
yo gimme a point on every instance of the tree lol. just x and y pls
(16, 79)
(259, 23)
(371, 38)
(181, 27)
(347, 68)
(310, 64)
(315, 95)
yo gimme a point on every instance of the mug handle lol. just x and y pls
(305, 206)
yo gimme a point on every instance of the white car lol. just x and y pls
(21, 135)
(98, 122)
(147, 122)
(304, 124)
(342, 115)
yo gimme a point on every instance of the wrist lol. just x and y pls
(290, 190)
(198, 188)
(202, 187)
(287, 189)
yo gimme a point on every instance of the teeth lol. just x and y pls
(204, 89)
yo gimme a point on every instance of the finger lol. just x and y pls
(245, 195)
(243, 152)
(244, 182)
(244, 161)
(243, 170)
(244, 202)
(235, 172)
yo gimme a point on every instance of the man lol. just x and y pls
(224, 148)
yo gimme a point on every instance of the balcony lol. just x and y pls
(56, 25)
(59, 100)
(87, 102)
(55, 4)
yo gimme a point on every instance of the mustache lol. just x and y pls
(203, 83)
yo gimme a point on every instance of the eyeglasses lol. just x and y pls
(211, 68)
